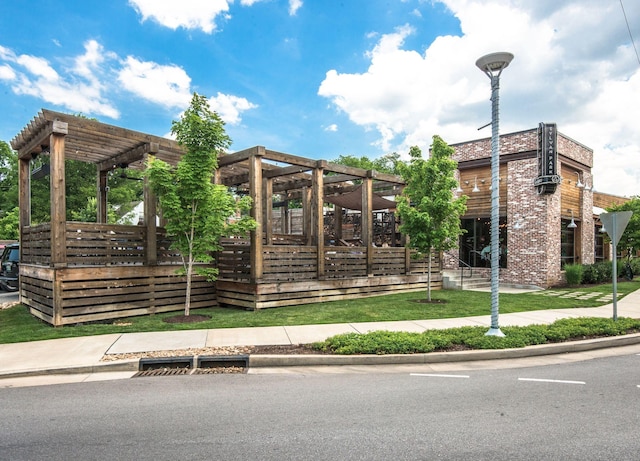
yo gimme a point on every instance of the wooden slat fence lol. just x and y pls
(104, 244)
(234, 260)
(287, 263)
(345, 262)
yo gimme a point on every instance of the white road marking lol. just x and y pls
(560, 381)
(438, 376)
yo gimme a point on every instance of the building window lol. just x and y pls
(475, 244)
(567, 243)
(598, 251)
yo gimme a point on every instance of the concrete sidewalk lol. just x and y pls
(84, 354)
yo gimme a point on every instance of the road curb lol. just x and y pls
(284, 360)
(266, 361)
(128, 365)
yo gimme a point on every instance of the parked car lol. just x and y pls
(9, 262)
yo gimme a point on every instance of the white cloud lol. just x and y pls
(230, 107)
(167, 85)
(189, 14)
(7, 72)
(294, 6)
(332, 128)
(581, 74)
(79, 91)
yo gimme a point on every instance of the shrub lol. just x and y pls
(388, 342)
(573, 272)
(605, 270)
(590, 274)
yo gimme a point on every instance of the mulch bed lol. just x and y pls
(186, 319)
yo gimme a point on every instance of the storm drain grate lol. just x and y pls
(171, 366)
(163, 372)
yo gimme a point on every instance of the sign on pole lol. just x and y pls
(614, 225)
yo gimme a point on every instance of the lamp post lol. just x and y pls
(492, 65)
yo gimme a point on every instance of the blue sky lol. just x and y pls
(323, 78)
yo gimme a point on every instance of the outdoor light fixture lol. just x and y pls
(492, 66)
(572, 224)
(459, 189)
(475, 185)
(579, 183)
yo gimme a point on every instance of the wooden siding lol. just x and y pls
(479, 203)
(570, 194)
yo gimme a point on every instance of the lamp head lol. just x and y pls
(494, 62)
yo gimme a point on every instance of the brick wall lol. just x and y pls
(533, 220)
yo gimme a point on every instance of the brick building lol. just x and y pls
(542, 227)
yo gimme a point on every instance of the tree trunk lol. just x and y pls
(429, 278)
(187, 300)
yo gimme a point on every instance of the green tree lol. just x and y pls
(630, 239)
(429, 212)
(384, 164)
(80, 190)
(198, 212)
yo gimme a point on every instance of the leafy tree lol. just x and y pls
(385, 164)
(8, 178)
(630, 239)
(198, 212)
(80, 189)
(429, 212)
(9, 225)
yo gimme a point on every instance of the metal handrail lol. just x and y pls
(462, 265)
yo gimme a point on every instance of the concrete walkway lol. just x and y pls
(84, 354)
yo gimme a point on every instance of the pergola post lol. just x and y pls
(102, 196)
(306, 215)
(318, 215)
(58, 201)
(338, 221)
(268, 209)
(24, 198)
(255, 192)
(150, 221)
(367, 222)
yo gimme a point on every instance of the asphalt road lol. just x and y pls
(578, 411)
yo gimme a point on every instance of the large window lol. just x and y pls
(598, 251)
(475, 244)
(567, 244)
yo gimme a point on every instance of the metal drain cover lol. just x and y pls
(163, 372)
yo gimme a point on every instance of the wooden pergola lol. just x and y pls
(76, 272)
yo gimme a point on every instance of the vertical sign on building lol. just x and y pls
(548, 177)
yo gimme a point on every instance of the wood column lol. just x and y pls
(284, 212)
(24, 194)
(318, 215)
(150, 220)
(58, 195)
(338, 222)
(367, 215)
(256, 194)
(102, 196)
(267, 208)
(306, 215)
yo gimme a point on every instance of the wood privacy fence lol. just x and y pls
(300, 262)
(105, 276)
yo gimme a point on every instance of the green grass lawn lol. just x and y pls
(17, 325)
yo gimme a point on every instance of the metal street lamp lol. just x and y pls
(492, 65)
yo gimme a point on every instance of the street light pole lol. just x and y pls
(492, 65)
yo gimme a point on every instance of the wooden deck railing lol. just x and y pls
(92, 244)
